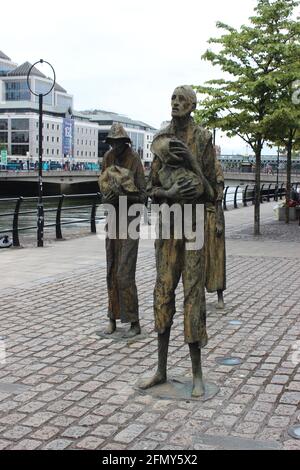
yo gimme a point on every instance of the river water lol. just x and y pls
(73, 215)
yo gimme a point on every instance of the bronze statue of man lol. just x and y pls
(191, 145)
(215, 252)
(122, 175)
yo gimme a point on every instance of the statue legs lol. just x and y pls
(111, 327)
(198, 386)
(220, 305)
(160, 376)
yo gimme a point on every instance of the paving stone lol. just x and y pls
(74, 432)
(81, 392)
(45, 433)
(58, 444)
(105, 430)
(38, 419)
(130, 433)
(16, 432)
(90, 443)
(27, 444)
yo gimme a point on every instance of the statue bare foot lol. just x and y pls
(134, 330)
(198, 387)
(220, 305)
(111, 327)
(157, 379)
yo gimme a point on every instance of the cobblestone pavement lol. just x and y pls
(77, 390)
(273, 230)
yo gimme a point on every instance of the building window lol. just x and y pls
(3, 137)
(20, 124)
(53, 127)
(57, 139)
(20, 137)
(43, 87)
(19, 149)
(17, 91)
(57, 151)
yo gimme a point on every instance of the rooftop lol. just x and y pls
(23, 70)
(4, 56)
(99, 115)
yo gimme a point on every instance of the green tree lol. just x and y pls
(254, 61)
(283, 129)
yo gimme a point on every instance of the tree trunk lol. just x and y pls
(288, 177)
(257, 189)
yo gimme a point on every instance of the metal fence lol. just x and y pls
(246, 194)
(89, 205)
(234, 197)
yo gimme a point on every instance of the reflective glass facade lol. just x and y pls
(5, 68)
(17, 90)
(3, 137)
(65, 101)
(43, 87)
(20, 137)
(137, 140)
(20, 124)
(19, 149)
(3, 124)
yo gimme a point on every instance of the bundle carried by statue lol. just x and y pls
(175, 167)
(118, 179)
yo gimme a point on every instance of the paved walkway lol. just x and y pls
(61, 386)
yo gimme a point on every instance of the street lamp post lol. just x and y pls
(40, 206)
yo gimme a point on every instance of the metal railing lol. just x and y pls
(247, 194)
(17, 212)
(240, 195)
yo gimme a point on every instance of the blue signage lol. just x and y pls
(68, 136)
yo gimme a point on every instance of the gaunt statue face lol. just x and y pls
(183, 102)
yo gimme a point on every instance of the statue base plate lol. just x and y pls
(179, 389)
(212, 309)
(118, 336)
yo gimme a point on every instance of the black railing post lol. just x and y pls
(245, 196)
(276, 192)
(225, 196)
(281, 191)
(235, 197)
(269, 192)
(58, 218)
(16, 241)
(261, 194)
(93, 214)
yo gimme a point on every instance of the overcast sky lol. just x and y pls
(125, 56)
